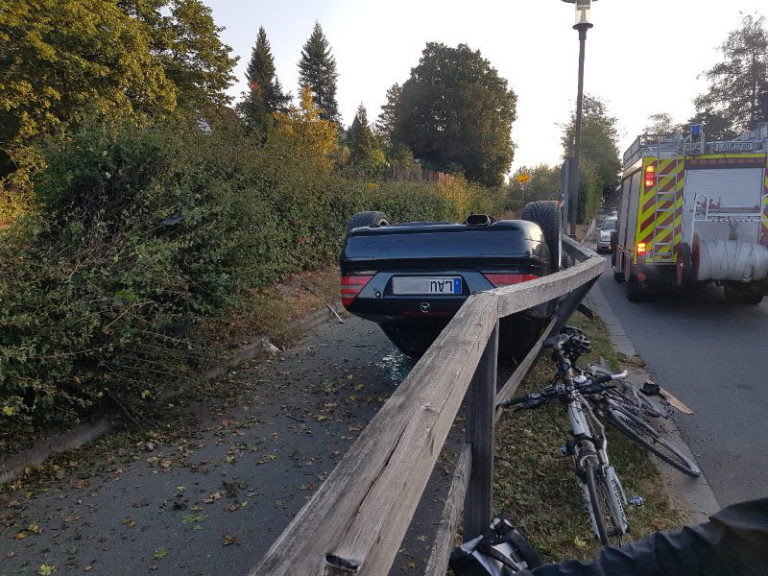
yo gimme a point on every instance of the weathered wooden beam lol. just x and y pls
(479, 411)
(518, 297)
(449, 522)
(578, 251)
(356, 520)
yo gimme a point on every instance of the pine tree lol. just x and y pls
(261, 71)
(265, 95)
(317, 70)
(388, 117)
(366, 152)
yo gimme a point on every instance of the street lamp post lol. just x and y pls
(583, 24)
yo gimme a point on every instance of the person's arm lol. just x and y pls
(733, 542)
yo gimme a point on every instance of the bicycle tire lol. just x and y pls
(638, 406)
(639, 431)
(600, 508)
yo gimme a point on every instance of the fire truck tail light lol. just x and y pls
(641, 248)
(650, 176)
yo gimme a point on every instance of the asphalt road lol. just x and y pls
(712, 355)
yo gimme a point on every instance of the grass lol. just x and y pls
(536, 485)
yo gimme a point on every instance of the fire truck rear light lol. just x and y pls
(507, 279)
(641, 248)
(351, 287)
(650, 176)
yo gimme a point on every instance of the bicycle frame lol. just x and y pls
(590, 443)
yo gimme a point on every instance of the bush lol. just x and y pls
(138, 234)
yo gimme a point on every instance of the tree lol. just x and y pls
(194, 57)
(265, 95)
(544, 184)
(599, 163)
(132, 60)
(60, 57)
(715, 125)
(739, 84)
(388, 117)
(661, 123)
(456, 113)
(317, 71)
(306, 123)
(365, 150)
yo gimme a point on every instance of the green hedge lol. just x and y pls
(140, 233)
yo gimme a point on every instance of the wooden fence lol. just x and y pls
(356, 521)
(418, 174)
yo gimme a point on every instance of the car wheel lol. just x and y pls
(548, 216)
(370, 218)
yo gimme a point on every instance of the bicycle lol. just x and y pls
(600, 485)
(624, 412)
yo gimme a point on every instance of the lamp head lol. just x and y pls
(583, 8)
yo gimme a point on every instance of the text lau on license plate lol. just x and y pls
(426, 285)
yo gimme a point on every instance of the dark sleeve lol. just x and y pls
(733, 542)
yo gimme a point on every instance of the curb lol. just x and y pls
(14, 466)
(691, 496)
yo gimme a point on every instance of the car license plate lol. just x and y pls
(426, 285)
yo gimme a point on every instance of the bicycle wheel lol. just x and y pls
(631, 400)
(606, 524)
(639, 431)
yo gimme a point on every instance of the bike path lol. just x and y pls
(214, 500)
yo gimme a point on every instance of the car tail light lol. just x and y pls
(650, 176)
(507, 279)
(351, 286)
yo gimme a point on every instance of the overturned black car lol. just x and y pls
(412, 278)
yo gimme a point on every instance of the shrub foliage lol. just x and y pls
(139, 233)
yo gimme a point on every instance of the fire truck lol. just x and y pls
(694, 212)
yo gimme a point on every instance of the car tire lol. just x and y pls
(548, 216)
(371, 218)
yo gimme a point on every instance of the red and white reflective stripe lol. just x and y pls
(351, 287)
(507, 279)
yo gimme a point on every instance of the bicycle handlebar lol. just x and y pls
(592, 385)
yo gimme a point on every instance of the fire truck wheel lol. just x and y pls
(751, 294)
(684, 272)
(617, 276)
(634, 293)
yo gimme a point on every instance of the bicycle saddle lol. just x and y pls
(556, 342)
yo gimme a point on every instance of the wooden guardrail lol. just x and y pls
(355, 522)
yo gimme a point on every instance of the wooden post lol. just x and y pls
(479, 433)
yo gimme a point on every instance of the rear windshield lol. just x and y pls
(608, 225)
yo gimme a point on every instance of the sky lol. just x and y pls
(642, 56)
